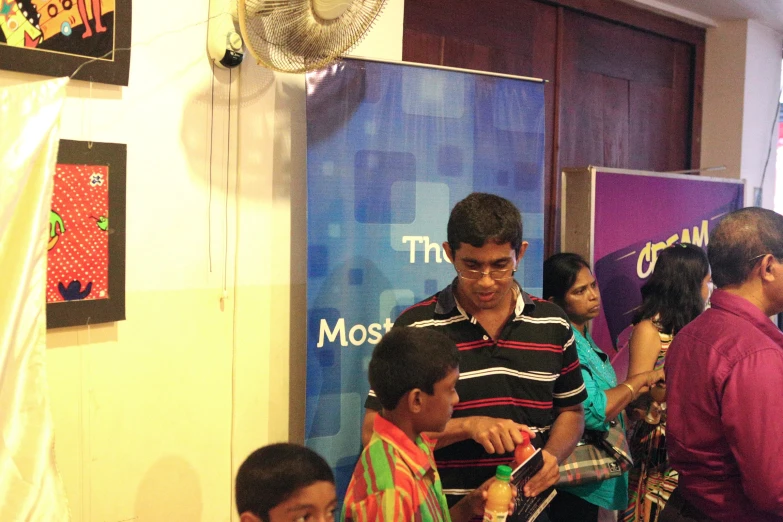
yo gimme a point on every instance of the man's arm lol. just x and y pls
(495, 435)
(753, 427)
(563, 437)
(569, 420)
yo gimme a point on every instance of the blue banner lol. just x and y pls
(391, 149)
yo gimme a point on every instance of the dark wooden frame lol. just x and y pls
(114, 69)
(631, 16)
(623, 14)
(93, 311)
(426, 30)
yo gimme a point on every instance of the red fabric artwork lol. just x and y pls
(78, 234)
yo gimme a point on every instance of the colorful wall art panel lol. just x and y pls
(86, 244)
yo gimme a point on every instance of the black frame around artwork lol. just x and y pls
(113, 69)
(93, 311)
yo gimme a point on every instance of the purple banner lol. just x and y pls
(637, 215)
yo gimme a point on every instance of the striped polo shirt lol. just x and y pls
(395, 479)
(531, 369)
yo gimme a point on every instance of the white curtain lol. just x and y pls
(30, 485)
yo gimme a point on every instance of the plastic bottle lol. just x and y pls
(499, 496)
(523, 450)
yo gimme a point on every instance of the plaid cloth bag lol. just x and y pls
(600, 455)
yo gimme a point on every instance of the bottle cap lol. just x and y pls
(503, 473)
(525, 438)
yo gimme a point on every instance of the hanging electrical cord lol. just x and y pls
(775, 123)
(140, 44)
(209, 200)
(228, 164)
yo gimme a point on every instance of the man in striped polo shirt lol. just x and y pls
(520, 370)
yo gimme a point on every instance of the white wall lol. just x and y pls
(760, 117)
(741, 90)
(153, 414)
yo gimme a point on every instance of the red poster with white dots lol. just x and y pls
(78, 234)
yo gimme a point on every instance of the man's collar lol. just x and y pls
(447, 300)
(524, 303)
(738, 305)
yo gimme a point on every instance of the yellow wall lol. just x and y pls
(153, 414)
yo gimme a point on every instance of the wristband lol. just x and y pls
(633, 392)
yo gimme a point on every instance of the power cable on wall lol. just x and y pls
(224, 295)
(141, 44)
(211, 147)
(234, 322)
(757, 194)
(228, 162)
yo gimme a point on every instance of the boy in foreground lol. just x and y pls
(413, 372)
(285, 482)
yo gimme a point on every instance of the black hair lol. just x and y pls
(272, 474)
(740, 237)
(484, 217)
(560, 272)
(672, 294)
(407, 358)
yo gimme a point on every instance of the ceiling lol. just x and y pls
(710, 13)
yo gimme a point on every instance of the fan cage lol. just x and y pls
(288, 36)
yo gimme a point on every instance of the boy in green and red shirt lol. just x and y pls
(414, 372)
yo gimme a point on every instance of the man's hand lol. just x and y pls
(496, 435)
(546, 476)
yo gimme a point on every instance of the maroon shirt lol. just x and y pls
(724, 434)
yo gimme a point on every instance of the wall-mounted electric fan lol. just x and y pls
(289, 35)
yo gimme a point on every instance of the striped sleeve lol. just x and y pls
(569, 386)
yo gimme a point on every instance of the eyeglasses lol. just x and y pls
(495, 275)
(754, 259)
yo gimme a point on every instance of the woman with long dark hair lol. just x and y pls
(569, 283)
(675, 294)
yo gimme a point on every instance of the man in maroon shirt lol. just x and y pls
(724, 374)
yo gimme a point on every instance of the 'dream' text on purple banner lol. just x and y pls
(636, 215)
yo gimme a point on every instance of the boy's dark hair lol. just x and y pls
(560, 272)
(673, 291)
(484, 217)
(408, 358)
(271, 474)
(740, 237)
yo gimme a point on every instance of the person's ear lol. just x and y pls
(522, 249)
(247, 516)
(448, 251)
(766, 268)
(415, 400)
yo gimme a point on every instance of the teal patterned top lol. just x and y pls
(599, 376)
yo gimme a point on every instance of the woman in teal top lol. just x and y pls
(569, 283)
